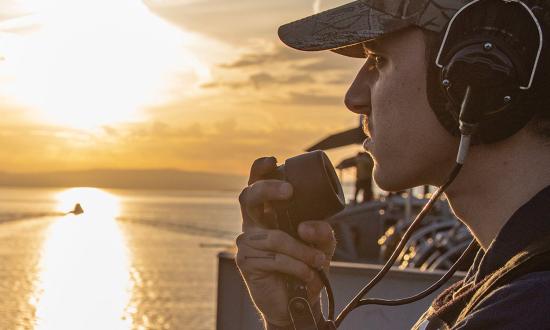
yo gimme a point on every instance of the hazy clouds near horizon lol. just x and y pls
(126, 179)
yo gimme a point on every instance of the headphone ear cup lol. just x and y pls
(493, 47)
(489, 72)
(493, 77)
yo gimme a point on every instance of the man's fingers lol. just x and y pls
(266, 191)
(255, 200)
(282, 243)
(261, 167)
(319, 234)
(254, 262)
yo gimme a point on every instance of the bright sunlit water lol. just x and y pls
(133, 260)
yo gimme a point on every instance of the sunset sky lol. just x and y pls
(200, 85)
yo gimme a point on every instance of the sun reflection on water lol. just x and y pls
(85, 281)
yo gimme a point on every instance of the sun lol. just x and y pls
(85, 64)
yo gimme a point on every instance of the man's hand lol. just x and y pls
(265, 255)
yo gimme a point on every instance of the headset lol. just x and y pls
(486, 66)
(494, 47)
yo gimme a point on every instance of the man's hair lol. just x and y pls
(536, 101)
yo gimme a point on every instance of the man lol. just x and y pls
(364, 165)
(502, 193)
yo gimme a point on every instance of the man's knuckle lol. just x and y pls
(284, 241)
(270, 239)
(256, 165)
(256, 161)
(259, 161)
(239, 239)
(264, 190)
(309, 257)
(276, 237)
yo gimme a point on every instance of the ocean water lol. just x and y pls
(133, 260)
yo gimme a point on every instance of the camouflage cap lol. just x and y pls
(343, 27)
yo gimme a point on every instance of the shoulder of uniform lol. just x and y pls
(528, 287)
(506, 306)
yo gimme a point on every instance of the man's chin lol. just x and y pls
(390, 181)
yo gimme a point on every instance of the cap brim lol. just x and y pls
(344, 28)
(341, 29)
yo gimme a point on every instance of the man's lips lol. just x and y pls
(367, 129)
(366, 125)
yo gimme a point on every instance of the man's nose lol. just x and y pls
(358, 97)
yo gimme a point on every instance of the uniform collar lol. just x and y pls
(529, 223)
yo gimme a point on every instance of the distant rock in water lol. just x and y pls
(77, 209)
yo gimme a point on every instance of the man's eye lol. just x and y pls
(374, 61)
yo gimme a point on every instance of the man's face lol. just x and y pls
(409, 145)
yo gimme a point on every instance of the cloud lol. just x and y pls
(299, 78)
(287, 67)
(278, 54)
(265, 99)
(23, 24)
(227, 144)
(234, 22)
(312, 99)
(307, 62)
(110, 72)
(12, 9)
(340, 80)
(261, 80)
(226, 84)
(30, 147)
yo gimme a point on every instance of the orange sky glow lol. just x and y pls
(199, 85)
